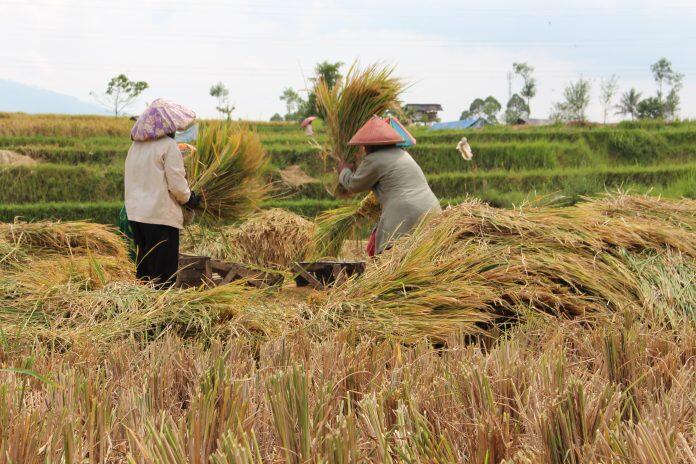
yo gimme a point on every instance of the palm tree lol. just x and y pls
(629, 103)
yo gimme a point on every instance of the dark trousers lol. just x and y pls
(157, 249)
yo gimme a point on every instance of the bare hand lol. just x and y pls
(343, 165)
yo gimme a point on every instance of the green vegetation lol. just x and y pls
(81, 163)
(107, 212)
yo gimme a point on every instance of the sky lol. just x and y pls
(450, 52)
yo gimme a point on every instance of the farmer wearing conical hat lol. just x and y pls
(156, 189)
(393, 175)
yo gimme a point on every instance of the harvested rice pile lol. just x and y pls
(472, 270)
(64, 237)
(273, 238)
(9, 157)
(293, 176)
(72, 283)
(475, 266)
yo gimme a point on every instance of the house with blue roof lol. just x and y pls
(471, 123)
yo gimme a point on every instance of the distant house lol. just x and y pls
(471, 123)
(533, 122)
(423, 112)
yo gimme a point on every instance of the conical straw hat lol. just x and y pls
(376, 132)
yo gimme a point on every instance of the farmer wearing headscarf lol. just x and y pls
(395, 178)
(155, 190)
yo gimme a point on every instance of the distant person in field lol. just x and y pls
(395, 178)
(156, 188)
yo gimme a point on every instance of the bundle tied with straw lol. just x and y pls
(272, 238)
(345, 108)
(337, 225)
(350, 103)
(226, 169)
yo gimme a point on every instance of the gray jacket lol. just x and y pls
(400, 186)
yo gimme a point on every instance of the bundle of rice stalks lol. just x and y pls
(681, 213)
(68, 315)
(336, 226)
(10, 254)
(348, 105)
(214, 242)
(474, 266)
(64, 237)
(273, 238)
(577, 227)
(78, 272)
(226, 170)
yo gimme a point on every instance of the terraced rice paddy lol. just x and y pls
(81, 169)
(559, 332)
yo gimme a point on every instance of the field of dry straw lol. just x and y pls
(537, 335)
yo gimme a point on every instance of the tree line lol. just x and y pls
(576, 98)
(121, 92)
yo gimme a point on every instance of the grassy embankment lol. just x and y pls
(81, 164)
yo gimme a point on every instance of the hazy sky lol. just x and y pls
(451, 51)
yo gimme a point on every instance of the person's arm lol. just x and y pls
(363, 179)
(175, 174)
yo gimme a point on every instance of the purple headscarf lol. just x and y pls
(161, 118)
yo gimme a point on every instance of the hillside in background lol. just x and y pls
(17, 97)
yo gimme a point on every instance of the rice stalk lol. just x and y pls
(336, 226)
(573, 423)
(349, 104)
(72, 315)
(226, 171)
(272, 238)
(680, 213)
(475, 265)
(64, 237)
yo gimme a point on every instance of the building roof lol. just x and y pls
(423, 106)
(462, 124)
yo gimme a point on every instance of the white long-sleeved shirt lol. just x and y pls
(155, 183)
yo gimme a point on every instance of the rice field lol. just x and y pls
(79, 168)
(543, 334)
(538, 319)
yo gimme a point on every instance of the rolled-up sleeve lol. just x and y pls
(175, 173)
(363, 179)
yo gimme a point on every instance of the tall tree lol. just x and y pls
(487, 109)
(671, 103)
(120, 93)
(528, 90)
(628, 104)
(576, 98)
(608, 89)
(475, 110)
(516, 109)
(650, 108)
(665, 75)
(327, 72)
(293, 104)
(491, 108)
(220, 92)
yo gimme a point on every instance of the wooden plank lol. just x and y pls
(313, 282)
